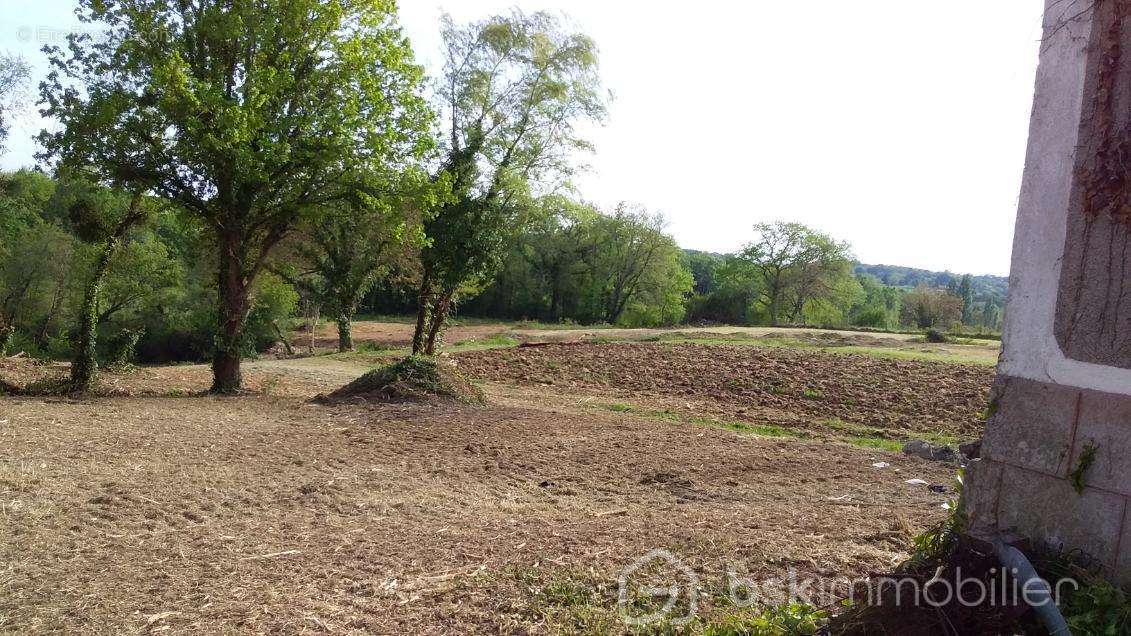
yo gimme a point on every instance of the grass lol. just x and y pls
(667, 415)
(841, 431)
(877, 443)
(497, 341)
(968, 348)
(374, 353)
(584, 602)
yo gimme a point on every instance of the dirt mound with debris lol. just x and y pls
(415, 378)
(19, 375)
(779, 385)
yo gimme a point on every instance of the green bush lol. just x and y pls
(875, 318)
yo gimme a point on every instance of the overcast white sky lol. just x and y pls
(897, 125)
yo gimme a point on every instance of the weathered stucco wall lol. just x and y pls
(1092, 321)
(1064, 380)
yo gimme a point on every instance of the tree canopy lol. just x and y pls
(249, 115)
(513, 90)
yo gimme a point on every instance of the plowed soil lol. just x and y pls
(772, 385)
(266, 513)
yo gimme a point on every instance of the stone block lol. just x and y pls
(1049, 511)
(1122, 574)
(980, 495)
(1033, 426)
(1105, 423)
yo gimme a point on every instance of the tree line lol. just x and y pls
(218, 168)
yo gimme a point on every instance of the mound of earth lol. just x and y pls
(22, 375)
(411, 379)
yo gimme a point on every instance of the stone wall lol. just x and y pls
(1056, 461)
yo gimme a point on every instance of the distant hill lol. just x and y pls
(984, 285)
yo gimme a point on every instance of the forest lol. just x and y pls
(570, 262)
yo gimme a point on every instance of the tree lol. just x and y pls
(24, 273)
(341, 256)
(880, 305)
(966, 293)
(548, 267)
(250, 115)
(991, 317)
(14, 76)
(95, 225)
(513, 89)
(793, 263)
(703, 266)
(733, 300)
(630, 243)
(927, 308)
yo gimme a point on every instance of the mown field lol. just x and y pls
(158, 509)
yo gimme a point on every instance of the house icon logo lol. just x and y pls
(657, 575)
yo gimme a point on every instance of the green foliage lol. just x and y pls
(791, 619)
(1087, 458)
(936, 543)
(124, 352)
(15, 73)
(334, 261)
(576, 264)
(703, 266)
(272, 299)
(789, 273)
(1098, 607)
(248, 144)
(794, 265)
(927, 308)
(879, 308)
(513, 90)
(936, 337)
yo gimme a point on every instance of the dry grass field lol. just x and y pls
(155, 509)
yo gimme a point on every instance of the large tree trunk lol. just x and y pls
(45, 326)
(84, 369)
(439, 313)
(423, 300)
(234, 294)
(311, 312)
(7, 334)
(773, 308)
(345, 331)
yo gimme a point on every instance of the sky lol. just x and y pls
(899, 126)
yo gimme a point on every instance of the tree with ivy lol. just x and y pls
(252, 116)
(513, 90)
(96, 224)
(337, 260)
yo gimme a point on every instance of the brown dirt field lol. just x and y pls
(757, 384)
(388, 334)
(268, 514)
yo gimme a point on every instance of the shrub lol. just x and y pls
(936, 336)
